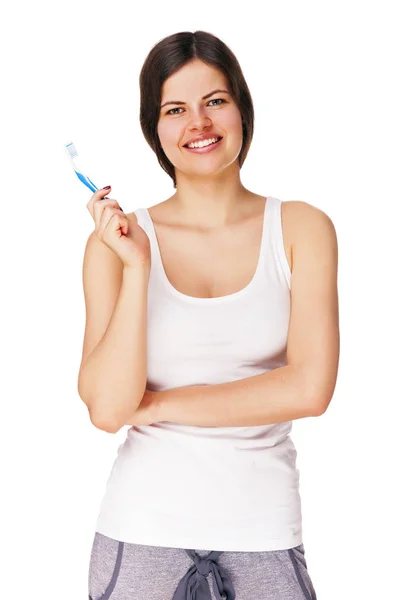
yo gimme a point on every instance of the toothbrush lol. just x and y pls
(72, 155)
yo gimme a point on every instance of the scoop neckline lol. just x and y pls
(217, 299)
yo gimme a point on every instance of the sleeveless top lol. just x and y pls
(218, 488)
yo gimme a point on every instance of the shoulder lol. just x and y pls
(299, 209)
(303, 219)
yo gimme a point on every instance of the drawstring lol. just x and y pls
(194, 585)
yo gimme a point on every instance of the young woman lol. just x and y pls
(211, 324)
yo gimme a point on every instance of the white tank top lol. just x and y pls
(211, 488)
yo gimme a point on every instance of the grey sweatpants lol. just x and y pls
(123, 571)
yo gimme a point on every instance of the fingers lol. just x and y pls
(98, 202)
(104, 211)
(98, 195)
(110, 218)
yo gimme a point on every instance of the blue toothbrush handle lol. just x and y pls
(87, 181)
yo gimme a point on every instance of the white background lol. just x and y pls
(323, 80)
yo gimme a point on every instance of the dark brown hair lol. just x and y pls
(169, 55)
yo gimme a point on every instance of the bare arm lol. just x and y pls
(113, 377)
(274, 397)
(113, 371)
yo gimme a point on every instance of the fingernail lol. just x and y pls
(107, 187)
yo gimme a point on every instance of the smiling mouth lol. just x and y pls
(199, 147)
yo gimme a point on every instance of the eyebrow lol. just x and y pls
(203, 97)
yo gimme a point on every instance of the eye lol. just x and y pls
(169, 112)
(217, 100)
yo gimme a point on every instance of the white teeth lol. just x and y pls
(203, 143)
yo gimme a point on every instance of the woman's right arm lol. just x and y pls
(113, 372)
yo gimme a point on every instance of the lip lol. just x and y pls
(203, 136)
(205, 149)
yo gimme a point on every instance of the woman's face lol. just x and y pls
(189, 115)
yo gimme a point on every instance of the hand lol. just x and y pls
(122, 235)
(148, 410)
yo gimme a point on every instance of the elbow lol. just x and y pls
(99, 419)
(322, 396)
(105, 426)
(103, 423)
(319, 405)
(103, 419)
(106, 413)
(317, 393)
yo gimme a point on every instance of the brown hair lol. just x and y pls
(169, 55)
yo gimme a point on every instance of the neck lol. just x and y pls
(208, 202)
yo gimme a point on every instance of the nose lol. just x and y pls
(199, 120)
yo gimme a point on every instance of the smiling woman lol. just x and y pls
(168, 78)
(232, 331)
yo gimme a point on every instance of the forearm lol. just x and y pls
(113, 378)
(274, 397)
